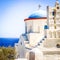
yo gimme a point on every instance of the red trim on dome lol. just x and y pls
(35, 18)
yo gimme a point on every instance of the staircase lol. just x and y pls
(40, 42)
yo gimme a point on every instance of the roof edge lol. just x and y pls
(34, 18)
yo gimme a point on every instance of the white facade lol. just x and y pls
(35, 28)
(42, 36)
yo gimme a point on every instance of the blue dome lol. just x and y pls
(38, 14)
(35, 15)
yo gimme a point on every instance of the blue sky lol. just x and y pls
(13, 13)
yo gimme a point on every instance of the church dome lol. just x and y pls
(38, 14)
(35, 15)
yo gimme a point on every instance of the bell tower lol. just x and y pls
(53, 20)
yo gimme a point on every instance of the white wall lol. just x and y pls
(36, 25)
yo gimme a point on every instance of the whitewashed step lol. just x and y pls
(21, 59)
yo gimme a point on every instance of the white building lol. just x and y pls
(41, 40)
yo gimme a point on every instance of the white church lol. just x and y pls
(41, 40)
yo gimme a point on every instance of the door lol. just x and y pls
(31, 56)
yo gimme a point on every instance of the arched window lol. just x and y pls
(54, 12)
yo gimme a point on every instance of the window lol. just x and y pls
(54, 12)
(57, 7)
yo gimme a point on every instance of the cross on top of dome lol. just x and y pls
(39, 6)
(56, 0)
